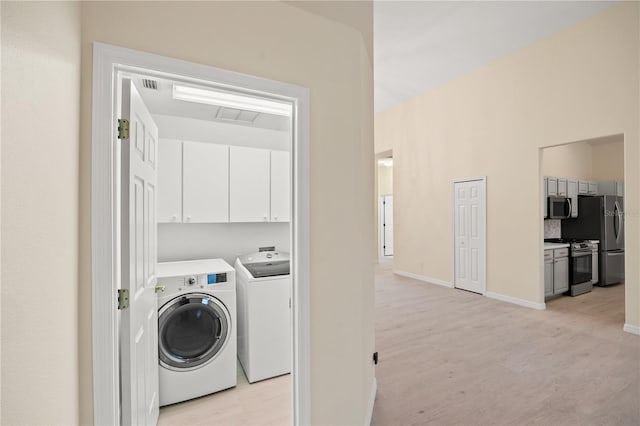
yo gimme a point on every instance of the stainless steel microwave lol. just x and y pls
(559, 208)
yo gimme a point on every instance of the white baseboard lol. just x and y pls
(516, 301)
(372, 400)
(423, 278)
(633, 329)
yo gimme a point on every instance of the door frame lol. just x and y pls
(381, 237)
(483, 180)
(108, 61)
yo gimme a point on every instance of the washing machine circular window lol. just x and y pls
(192, 330)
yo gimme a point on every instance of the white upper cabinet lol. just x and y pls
(169, 181)
(552, 187)
(562, 187)
(593, 188)
(572, 193)
(280, 186)
(249, 183)
(205, 183)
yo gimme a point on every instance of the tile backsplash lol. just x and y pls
(552, 228)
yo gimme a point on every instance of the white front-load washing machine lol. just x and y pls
(264, 314)
(196, 329)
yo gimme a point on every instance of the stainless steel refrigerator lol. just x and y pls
(601, 218)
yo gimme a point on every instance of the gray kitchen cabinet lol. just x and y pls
(572, 193)
(545, 194)
(611, 188)
(548, 273)
(562, 187)
(560, 275)
(552, 186)
(583, 187)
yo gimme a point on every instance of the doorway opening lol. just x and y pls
(208, 146)
(384, 208)
(583, 228)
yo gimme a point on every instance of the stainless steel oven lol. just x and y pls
(581, 268)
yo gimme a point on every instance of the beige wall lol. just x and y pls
(601, 160)
(608, 161)
(385, 180)
(577, 84)
(285, 43)
(569, 161)
(40, 142)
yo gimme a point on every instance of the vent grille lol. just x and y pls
(149, 84)
(233, 114)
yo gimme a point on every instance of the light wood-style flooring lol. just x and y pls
(262, 403)
(450, 357)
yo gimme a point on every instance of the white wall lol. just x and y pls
(179, 241)
(40, 144)
(171, 127)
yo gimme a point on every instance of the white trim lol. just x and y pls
(423, 278)
(483, 179)
(515, 301)
(372, 401)
(633, 329)
(107, 60)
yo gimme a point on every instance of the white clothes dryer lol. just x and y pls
(264, 314)
(196, 329)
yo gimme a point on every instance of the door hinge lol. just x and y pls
(375, 358)
(123, 298)
(123, 128)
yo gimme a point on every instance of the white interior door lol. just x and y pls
(139, 322)
(387, 225)
(470, 235)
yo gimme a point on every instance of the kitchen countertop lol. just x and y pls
(551, 246)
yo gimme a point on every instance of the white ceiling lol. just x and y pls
(419, 45)
(161, 102)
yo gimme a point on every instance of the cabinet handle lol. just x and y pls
(188, 218)
(174, 217)
(275, 218)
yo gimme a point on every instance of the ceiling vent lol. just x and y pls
(149, 84)
(233, 114)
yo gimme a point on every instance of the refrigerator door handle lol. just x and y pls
(618, 223)
(570, 207)
(615, 220)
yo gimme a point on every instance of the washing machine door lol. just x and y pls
(192, 330)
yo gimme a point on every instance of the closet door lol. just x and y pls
(205, 184)
(248, 184)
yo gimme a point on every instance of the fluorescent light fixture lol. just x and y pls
(387, 162)
(230, 100)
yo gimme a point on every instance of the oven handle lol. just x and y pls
(581, 253)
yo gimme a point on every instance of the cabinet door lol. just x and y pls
(545, 192)
(552, 187)
(548, 278)
(205, 182)
(248, 184)
(593, 188)
(572, 192)
(620, 189)
(562, 187)
(169, 181)
(280, 186)
(560, 275)
(583, 187)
